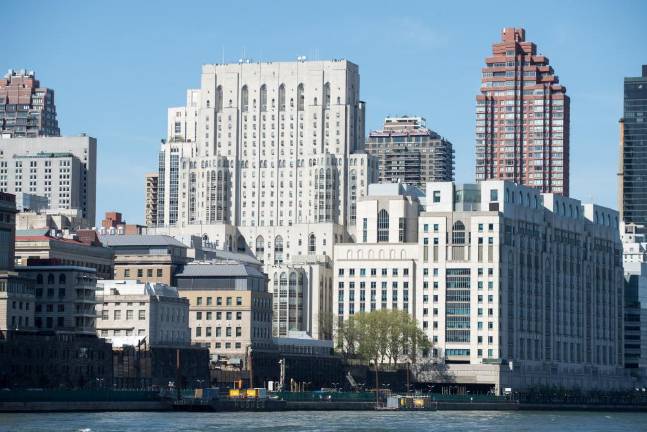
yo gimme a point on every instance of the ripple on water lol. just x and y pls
(331, 421)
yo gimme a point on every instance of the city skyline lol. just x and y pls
(134, 77)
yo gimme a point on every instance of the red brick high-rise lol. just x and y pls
(27, 110)
(522, 118)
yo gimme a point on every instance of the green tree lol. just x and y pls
(380, 336)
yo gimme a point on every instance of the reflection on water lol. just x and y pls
(326, 421)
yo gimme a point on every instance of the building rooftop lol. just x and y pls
(135, 288)
(219, 269)
(140, 240)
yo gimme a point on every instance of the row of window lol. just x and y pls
(218, 332)
(209, 315)
(149, 272)
(384, 272)
(209, 301)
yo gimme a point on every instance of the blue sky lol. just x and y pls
(116, 66)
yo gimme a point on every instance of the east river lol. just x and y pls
(463, 421)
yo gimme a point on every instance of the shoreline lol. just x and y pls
(282, 406)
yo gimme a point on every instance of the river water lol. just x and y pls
(463, 421)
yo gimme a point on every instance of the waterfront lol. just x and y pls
(325, 421)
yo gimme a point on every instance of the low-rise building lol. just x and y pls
(81, 249)
(114, 223)
(65, 297)
(16, 293)
(7, 230)
(131, 312)
(48, 359)
(230, 308)
(146, 258)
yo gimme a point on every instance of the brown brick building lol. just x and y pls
(522, 118)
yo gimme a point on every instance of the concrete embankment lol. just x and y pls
(80, 406)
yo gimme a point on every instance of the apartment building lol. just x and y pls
(64, 297)
(62, 169)
(522, 118)
(150, 199)
(408, 152)
(26, 108)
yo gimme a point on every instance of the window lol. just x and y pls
(239, 316)
(436, 196)
(159, 273)
(198, 331)
(458, 233)
(365, 230)
(278, 250)
(127, 273)
(228, 331)
(149, 273)
(239, 301)
(198, 300)
(402, 229)
(117, 315)
(142, 315)
(312, 244)
(494, 195)
(140, 273)
(383, 226)
(129, 314)
(239, 331)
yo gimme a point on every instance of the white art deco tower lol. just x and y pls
(268, 158)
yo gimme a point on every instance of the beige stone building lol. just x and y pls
(146, 258)
(230, 308)
(514, 288)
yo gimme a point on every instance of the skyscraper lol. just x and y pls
(522, 118)
(267, 158)
(26, 108)
(632, 181)
(408, 152)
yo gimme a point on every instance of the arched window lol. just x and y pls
(282, 97)
(458, 233)
(278, 250)
(39, 279)
(240, 243)
(263, 98)
(219, 99)
(312, 244)
(326, 100)
(61, 279)
(260, 245)
(244, 96)
(383, 226)
(50, 279)
(230, 246)
(300, 98)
